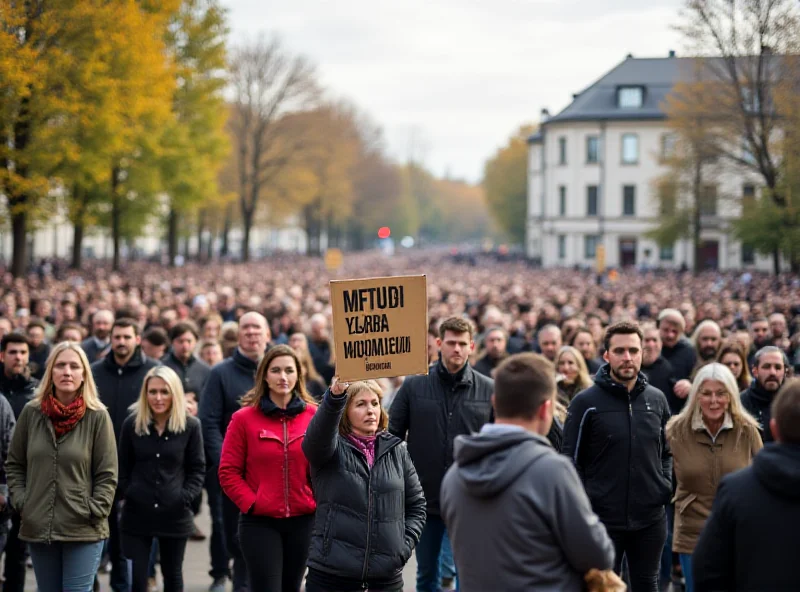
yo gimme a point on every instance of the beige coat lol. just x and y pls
(700, 461)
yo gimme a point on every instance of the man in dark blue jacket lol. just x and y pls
(615, 435)
(226, 384)
(429, 412)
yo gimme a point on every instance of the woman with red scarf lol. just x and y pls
(62, 473)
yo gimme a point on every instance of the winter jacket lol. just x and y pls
(525, 504)
(661, 375)
(159, 477)
(263, 469)
(757, 401)
(227, 383)
(19, 390)
(368, 519)
(618, 443)
(752, 538)
(62, 488)
(93, 348)
(7, 423)
(193, 374)
(38, 360)
(430, 411)
(682, 358)
(119, 386)
(486, 365)
(700, 461)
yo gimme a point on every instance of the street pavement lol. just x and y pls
(196, 565)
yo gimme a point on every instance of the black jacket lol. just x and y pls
(486, 364)
(7, 423)
(18, 389)
(662, 376)
(119, 386)
(430, 411)
(751, 540)
(193, 375)
(227, 383)
(618, 443)
(682, 357)
(368, 520)
(38, 360)
(757, 401)
(92, 348)
(159, 477)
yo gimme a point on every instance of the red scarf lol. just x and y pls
(63, 417)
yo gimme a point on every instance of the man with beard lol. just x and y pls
(549, 340)
(494, 351)
(615, 435)
(769, 372)
(707, 340)
(677, 350)
(659, 372)
(759, 330)
(429, 412)
(119, 378)
(98, 344)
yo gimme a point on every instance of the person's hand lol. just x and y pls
(338, 388)
(682, 388)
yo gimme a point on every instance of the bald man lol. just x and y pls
(98, 344)
(227, 382)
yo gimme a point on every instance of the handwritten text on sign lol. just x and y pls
(380, 327)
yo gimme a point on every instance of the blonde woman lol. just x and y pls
(62, 473)
(358, 465)
(573, 375)
(711, 437)
(161, 470)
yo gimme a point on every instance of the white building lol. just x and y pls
(592, 171)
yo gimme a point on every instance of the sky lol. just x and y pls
(449, 81)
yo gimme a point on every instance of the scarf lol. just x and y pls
(365, 444)
(64, 417)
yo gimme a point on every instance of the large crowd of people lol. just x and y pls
(130, 394)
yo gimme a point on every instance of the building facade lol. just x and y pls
(592, 179)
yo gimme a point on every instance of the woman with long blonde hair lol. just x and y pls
(572, 374)
(161, 471)
(712, 436)
(62, 473)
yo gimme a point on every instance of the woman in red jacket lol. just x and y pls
(264, 472)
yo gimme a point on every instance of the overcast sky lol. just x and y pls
(450, 80)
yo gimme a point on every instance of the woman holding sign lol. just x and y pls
(371, 508)
(264, 472)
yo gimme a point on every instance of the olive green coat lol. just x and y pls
(62, 488)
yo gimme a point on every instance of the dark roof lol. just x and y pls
(537, 137)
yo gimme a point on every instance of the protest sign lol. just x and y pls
(380, 327)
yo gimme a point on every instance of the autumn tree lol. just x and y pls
(749, 43)
(506, 186)
(268, 83)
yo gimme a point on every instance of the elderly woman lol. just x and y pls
(711, 437)
(370, 505)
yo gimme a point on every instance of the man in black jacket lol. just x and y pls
(119, 378)
(17, 386)
(227, 382)
(615, 434)
(429, 412)
(98, 344)
(769, 372)
(494, 347)
(678, 351)
(751, 539)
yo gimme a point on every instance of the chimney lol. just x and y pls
(629, 56)
(672, 53)
(545, 115)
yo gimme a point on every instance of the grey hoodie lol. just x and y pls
(517, 515)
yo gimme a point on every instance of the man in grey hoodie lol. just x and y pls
(516, 511)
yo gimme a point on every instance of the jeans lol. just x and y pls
(172, 549)
(119, 579)
(447, 566)
(276, 551)
(16, 551)
(686, 566)
(216, 545)
(666, 554)
(65, 567)
(230, 517)
(642, 548)
(427, 552)
(151, 562)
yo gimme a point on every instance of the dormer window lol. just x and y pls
(630, 97)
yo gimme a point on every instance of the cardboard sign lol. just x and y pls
(380, 327)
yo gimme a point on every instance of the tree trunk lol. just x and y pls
(19, 234)
(247, 224)
(697, 188)
(172, 236)
(201, 228)
(226, 229)
(776, 261)
(186, 241)
(20, 202)
(115, 218)
(210, 246)
(77, 245)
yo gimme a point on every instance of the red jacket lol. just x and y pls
(263, 466)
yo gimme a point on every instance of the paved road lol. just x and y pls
(196, 565)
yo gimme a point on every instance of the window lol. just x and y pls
(708, 200)
(666, 253)
(630, 149)
(590, 246)
(562, 200)
(562, 150)
(591, 200)
(748, 254)
(562, 246)
(592, 150)
(668, 143)
(629, 200)
(630, 97)
(748, 198)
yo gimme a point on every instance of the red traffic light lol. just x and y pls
(384, 232)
